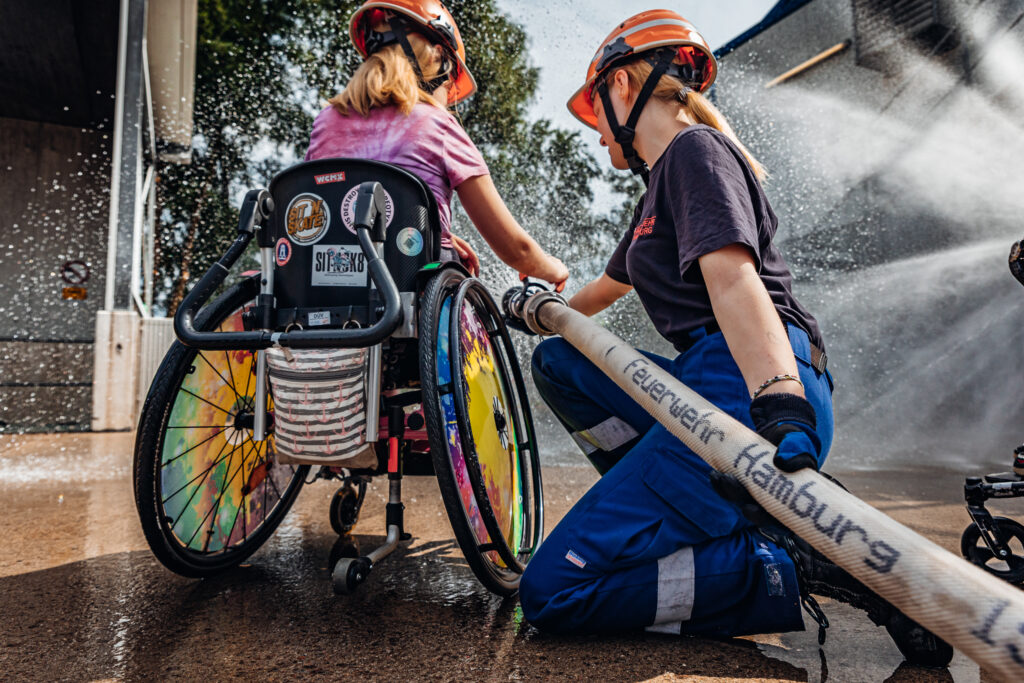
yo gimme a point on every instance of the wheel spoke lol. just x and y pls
(238, 509)
(229, 385)
(982, 555)
(248, 375)
(211, 515)
(276, 490)
(222, 427)
(219, 459)
(186, 452)
(231, 373)
(195, 395)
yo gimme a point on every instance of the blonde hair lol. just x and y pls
(387, 79)
(671, 89)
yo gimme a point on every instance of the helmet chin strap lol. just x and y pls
(624, 134)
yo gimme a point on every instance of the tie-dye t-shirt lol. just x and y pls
(429, 142)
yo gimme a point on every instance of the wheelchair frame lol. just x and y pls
(390, 316)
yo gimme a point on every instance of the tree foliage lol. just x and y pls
(263, 70)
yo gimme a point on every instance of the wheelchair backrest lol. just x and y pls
(320, 275)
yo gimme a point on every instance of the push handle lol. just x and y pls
(371, 210)
(369, 214)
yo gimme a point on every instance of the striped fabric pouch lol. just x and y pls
(320, 407)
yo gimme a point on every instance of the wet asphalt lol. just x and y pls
(83, 599)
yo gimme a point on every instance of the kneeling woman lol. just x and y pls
(652, 545)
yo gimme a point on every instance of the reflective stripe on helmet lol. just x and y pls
(640, 34)
(646, 46)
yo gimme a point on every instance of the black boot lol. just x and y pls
(820, 576)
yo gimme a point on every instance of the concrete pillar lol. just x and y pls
(115, 371)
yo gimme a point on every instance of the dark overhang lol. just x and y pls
(776, 14)
(58, 61)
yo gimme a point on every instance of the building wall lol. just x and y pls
(55, 199)
(896, 179)
(851, 143)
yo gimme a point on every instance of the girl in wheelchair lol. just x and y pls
(394, 110)
(361, 347)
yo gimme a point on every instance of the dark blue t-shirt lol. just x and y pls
(702, 196)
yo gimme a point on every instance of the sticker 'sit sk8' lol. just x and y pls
(338, 265)
(307, 219)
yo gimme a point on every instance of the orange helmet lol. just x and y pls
(427, 17)
(658, 28)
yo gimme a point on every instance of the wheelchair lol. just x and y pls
(350, 259)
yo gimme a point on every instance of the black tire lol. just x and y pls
(346, 504)
(974, 549)
(269, 489)
(499, 572)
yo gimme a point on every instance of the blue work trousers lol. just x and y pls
(651, 545)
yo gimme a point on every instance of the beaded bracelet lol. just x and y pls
(773, 380)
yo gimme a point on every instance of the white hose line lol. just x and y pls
(972, 610)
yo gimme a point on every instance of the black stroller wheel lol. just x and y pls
(1009, 568)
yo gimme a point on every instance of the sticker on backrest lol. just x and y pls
(410, 241)
(282, 251)
(307, 219)
(348, 209)
(329, 178)
(317, 318)
(338, 265)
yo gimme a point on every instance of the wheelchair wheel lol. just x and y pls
(974, 548)
(208, 495)
(480, 428)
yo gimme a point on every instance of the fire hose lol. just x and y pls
(972, 610)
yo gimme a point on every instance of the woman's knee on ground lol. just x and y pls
(538, 596)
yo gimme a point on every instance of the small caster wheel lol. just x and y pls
(345, 546)
(1009, 568)
(345, 507)
(349, 573)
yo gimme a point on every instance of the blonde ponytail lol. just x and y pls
(387, 79)
(671, 89)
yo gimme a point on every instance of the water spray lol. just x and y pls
(972, 610)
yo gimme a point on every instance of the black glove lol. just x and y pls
(788, 421)
(730, 488)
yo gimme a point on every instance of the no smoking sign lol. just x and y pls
(74, 272)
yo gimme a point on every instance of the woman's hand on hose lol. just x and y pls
(553, 271)
(788, 421)
(466, 255)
